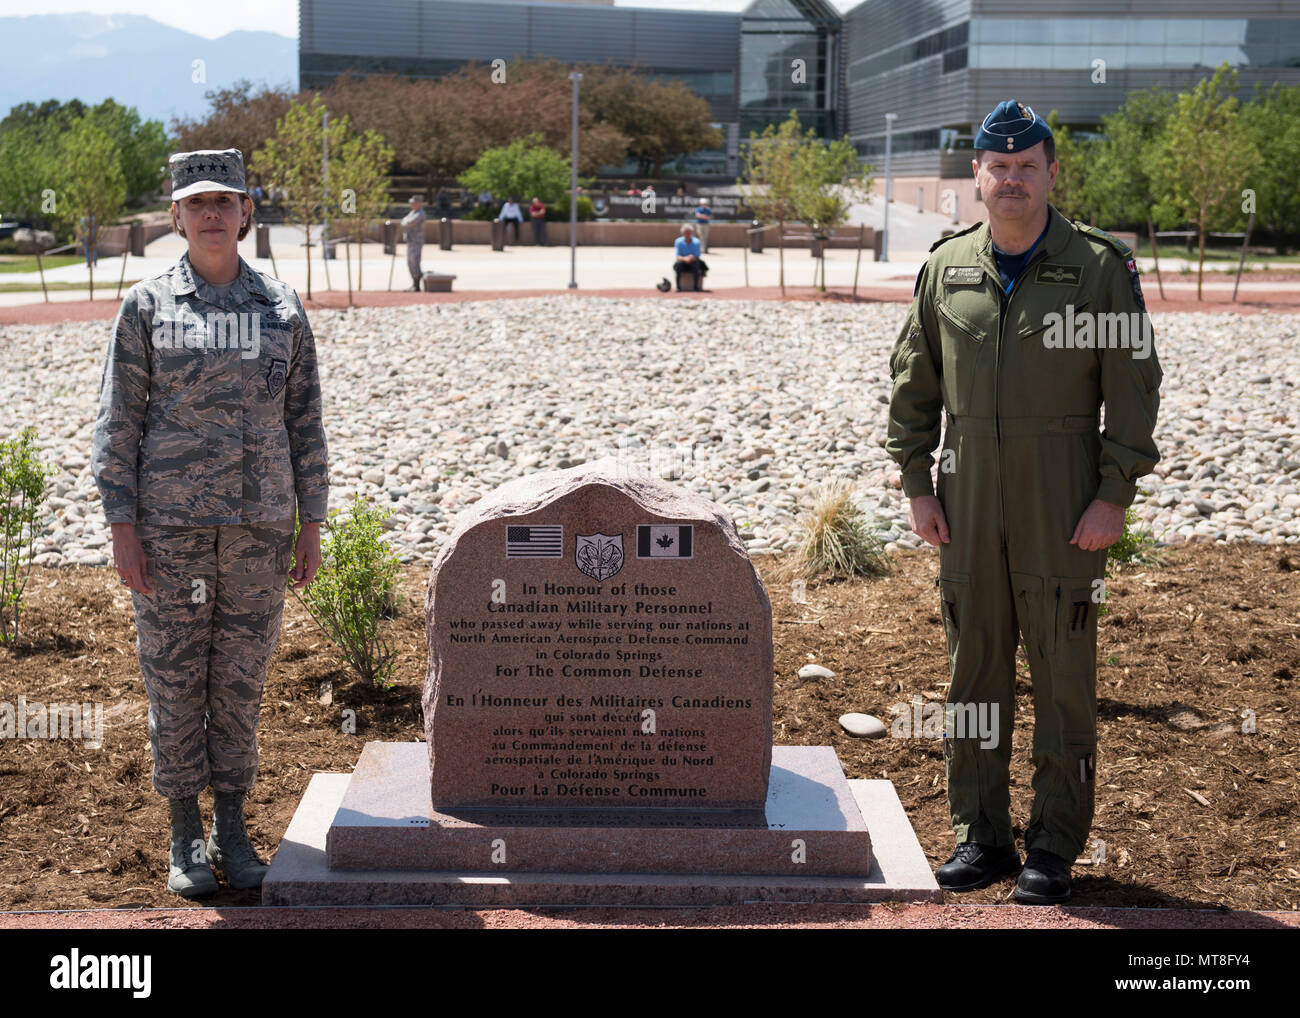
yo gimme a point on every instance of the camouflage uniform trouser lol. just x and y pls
(413, 252)
(206, 634)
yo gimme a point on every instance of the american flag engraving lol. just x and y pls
(534, 542)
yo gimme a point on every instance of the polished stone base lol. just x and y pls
(349, 826)
(810, 827)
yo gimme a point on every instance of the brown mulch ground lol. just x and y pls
(1186, 648)
(1217, 300)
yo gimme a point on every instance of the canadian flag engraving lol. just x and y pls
(659, 541)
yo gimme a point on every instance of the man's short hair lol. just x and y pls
(685, 227)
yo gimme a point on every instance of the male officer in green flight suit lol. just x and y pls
(1019, 331)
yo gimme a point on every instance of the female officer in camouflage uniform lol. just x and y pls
(208, 435)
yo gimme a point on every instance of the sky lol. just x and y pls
(280, 16)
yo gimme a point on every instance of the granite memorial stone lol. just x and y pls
(598, 638)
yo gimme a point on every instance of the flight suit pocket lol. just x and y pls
(1035, 616)
(1036, 322)
(1080, 753)
(962, 342)
(1076, 612)
(954, 589)
(962, 324)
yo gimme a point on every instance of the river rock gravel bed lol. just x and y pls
(754, 404)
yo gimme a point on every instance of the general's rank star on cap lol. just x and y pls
(1011, 127)
(207, 170)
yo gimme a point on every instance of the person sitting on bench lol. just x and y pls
(688, 258)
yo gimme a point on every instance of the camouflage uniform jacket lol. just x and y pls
(210, 407)
(413, 226)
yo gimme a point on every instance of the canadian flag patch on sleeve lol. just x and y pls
(1131, 265)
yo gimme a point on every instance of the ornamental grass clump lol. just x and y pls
(837, 539)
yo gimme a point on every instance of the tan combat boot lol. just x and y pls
(188, 874)
(229, 847)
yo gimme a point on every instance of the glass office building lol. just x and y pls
(790, 60)
(941, 65)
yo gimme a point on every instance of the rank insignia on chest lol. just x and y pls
(276, 375)
(963, 275)
(1063, 275)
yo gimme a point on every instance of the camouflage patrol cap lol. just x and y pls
(207, 170)
(1011, 127)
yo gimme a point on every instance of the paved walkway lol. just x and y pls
(478, 267)
(527, 269)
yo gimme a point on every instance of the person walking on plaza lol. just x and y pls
(1030, 492)
(537, 213)
(207, 440)
(510, 214)
(687, 249)
(413, 233)
(703, 217)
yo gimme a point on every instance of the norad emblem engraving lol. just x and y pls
(599, 556)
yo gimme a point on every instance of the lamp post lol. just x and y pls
(889, 184)
(575, 77)
(325, 190)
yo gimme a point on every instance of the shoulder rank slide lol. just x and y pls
(1126, 256)
(959, 233)
(1123, 249)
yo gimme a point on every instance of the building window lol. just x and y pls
(1154, 43)
(946, 41)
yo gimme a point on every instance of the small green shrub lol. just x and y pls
(356, 587)
(558, 210)
(838, 539)
(22, 493)
(1137, 545)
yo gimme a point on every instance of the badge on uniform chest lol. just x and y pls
(1062, 275)
(963, 275)
(277, 373)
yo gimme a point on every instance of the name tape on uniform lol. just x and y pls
(963, 275)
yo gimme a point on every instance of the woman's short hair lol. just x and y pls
(243, 230)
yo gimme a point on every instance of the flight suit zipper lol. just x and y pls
(1004, 302)
(1004, 305)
